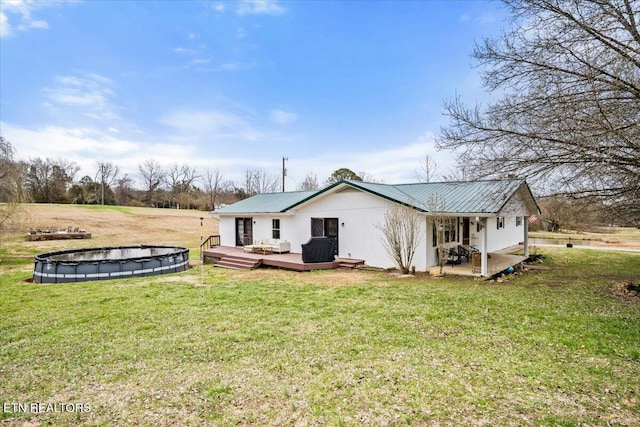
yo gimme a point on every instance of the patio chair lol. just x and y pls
(464, 253)
(454, 257)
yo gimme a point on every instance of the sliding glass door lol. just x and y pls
(244, 231)
(327, 227)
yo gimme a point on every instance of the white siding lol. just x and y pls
(504, 237)
(359, 237)
(262, 228)
(227, 229)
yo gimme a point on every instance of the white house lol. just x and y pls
(484, 215)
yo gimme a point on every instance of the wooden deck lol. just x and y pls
(232, 257)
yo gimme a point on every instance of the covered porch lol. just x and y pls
(496, 262)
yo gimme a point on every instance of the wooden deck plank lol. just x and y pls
(289, 260)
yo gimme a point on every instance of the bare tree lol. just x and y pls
(124, 190)
(105, 176)
(49, 180)
(367, 177)
(460, 172)
(441, 225)
(310, 183)
(568, 119)
(12, 174)
(11, 187)
(428, 168)
(212, 182)
(402, 232)
(180, 181)
(259, 181)
(562, 212)
(152, 176)
(85, 191)
(7, 157)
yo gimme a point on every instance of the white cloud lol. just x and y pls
(85, 146)
(235, 66)
(184, 144)
(82, 145)
(42, 25)
(198, 121)
(5, 26)
(21, 10)
(394, 165)
(282, 117)
(260, 7)
(183, 50)
(88, 90)
(218, 7)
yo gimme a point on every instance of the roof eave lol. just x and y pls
(279, 213)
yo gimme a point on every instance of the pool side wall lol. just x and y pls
(47, 271)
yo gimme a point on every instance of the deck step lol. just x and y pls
(349, 263)
(237, 263)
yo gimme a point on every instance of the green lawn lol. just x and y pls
(269, 347)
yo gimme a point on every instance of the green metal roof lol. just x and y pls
(448, 197)
(266, 203)
(467, 196)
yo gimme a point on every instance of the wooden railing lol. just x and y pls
(209, 242)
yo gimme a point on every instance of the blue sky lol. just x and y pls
(239, 84)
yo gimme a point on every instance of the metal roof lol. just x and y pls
(266, 203)
(463, 196)
(447, 197)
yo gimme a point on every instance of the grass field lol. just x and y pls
(209, 346)
(607, 236)
(108, 225)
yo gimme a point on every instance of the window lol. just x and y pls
(275, 225)
(518, 221)
(448, 231)
(500, 222)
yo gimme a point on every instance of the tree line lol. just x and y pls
(49, 180)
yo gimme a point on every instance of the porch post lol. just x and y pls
(525, 220)
(484, 267)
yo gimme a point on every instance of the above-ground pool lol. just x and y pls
(80, 265)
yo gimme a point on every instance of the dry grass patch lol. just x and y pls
(626, 237)
(109, 226)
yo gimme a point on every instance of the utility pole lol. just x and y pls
(102, 167)
(284, 171)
